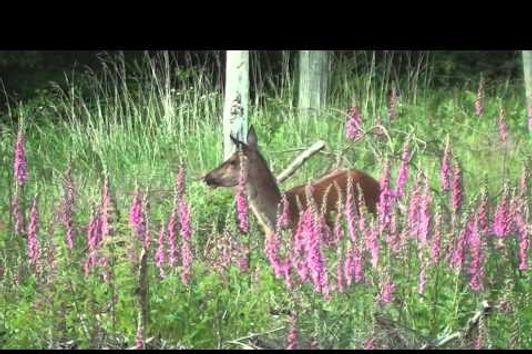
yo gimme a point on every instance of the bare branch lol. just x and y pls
(299, 160)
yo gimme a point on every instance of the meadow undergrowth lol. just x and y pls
(107, 164)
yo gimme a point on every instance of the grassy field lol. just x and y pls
(136, 125)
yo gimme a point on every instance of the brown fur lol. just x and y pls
(369, 186)
(264, 194)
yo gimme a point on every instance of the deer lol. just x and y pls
(264, 194)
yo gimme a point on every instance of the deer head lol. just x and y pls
(226, 175)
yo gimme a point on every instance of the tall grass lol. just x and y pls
(136, 123)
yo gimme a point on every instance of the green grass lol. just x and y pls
(139, 124)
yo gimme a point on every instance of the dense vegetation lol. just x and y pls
(113, 157)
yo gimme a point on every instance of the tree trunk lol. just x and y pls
(527, 69)
(313, 80)
(236, 101)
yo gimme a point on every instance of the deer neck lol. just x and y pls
(264, 194)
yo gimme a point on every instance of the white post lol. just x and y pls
(236, 102)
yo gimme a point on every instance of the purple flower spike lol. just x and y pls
(502, 127)
(456, 187)
(386, 198)
(354, 124)
(475, 267)
(137, 220)
(241, 198)
(186, 246)
(292, 333)
(159, 254)
(386, 291)
(20, 164)
(402, 176)
(502, 222)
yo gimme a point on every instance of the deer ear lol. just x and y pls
(252, 138)
(239, 144)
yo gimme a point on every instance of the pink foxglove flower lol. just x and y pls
(402, 176)
(241, 198)
(137, 218)
(475, 248)
(435, 250)
(20, 164)
(483, 224)
(171, 235)
(159, 253)
(386, 291)
(456, 187)
(386, 197)
(292, 333)
(502, 221)
(186, 245)
(354, 123)
(94, 237)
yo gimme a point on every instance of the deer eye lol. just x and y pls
(233, 163)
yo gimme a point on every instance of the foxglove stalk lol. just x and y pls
(94, 237)
(16, 212)
(340, 281)
(435, 250)
(424, 215)
(292, 333)
(106, 209)
(172, 238)
(402, 176)
(475, 249)
(20, 164)
(392, 104)
(67, 208)
(523, 239)
(353, 125)
(456, 187)
(299, 247)
(445, 169)
(502, 127)
(186, 245)
(483, 224)
(159, 254)
(502, 221)
(413, 207)
(386, 196)
(137, 218)
(241, 197)
(386, 291)
(457, 256)
(33, 231)
(479, 100)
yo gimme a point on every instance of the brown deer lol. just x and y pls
(264, 194)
